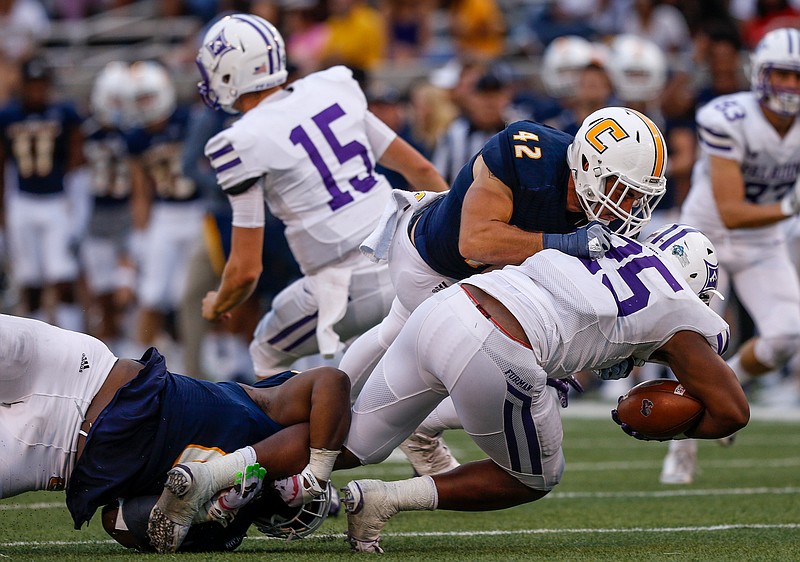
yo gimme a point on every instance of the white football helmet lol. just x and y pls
(693, 254)
(153, 92)
(779, 48)
(301, 522)
(111, 99)
(638, 68)
(562, 60)
(619, 143)
(241, 53)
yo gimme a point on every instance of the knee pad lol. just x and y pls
(775, 351)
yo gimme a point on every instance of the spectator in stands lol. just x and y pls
(430, 112)
(23, 26)
(306, 33)
(661, 23)
(770, 14)
(357, 35)
(478, 28)
(486, 108)
(408, 29)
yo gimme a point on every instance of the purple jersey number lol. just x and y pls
(343, 153)
(629, 274)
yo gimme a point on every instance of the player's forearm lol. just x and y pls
(498, 243)
(749, 215)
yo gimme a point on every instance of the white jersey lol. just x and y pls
(734, 127)
(315, 145)
(582, 314)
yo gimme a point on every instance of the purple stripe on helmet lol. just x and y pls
(682, 233)
(228, 165)
(221, 152)
(791, 41)
(271, 46)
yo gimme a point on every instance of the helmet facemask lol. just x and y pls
(618, 159)
(611, 197)
(781, 101)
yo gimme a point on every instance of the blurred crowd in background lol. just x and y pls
(445, 74)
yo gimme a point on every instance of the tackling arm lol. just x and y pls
(707, 377)
(485, 234)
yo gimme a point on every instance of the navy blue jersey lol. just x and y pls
(531, 159)
(38, 144)
(160, 153)
(106, 152)
(149, 423)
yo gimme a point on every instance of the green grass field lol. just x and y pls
(743, 505)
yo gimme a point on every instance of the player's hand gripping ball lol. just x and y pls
(657, 410)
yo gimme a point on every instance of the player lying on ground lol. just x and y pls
(74, 416)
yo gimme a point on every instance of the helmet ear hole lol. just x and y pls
(584, 163)
(226, 79)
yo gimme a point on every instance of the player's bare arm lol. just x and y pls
(241, 273)
(420, 173)
(708, 378)
(729, 193)
(485, 234)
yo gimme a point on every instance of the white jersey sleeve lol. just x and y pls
(312, 143)
(720, 125)
(380, 135)
(584, 314)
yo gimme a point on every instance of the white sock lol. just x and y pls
(321, 463)
(414, 494)
(735, 363)
(224, 469)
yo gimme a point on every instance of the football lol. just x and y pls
(659, 409)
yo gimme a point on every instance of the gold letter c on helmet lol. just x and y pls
(608, 124)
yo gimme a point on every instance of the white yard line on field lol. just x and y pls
(786, 490)
(498, 532)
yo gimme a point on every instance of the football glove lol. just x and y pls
(299, 489)
(224, 506)
(590, 241)
(619, 370)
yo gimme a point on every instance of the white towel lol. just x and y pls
(331, 288)
(376, 245)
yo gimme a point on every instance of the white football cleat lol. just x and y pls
(428, 455)
(186, 490)
(368, 509)
(680, 463)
